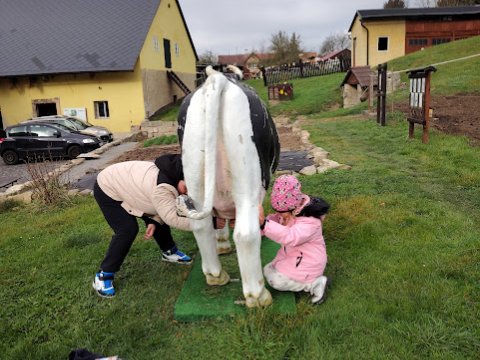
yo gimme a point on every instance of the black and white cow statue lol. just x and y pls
(230, 149)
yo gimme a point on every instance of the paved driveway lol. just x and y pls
(75, 173)
(20, 171)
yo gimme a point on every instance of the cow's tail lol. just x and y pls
(214, 87)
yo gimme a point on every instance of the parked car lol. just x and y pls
(41, 140)
(76, 124)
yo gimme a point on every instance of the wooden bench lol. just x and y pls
(8, 181)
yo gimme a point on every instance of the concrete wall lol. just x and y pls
(158, 90)
(351, 95)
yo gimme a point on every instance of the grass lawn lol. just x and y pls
(403, 238)
(314, 95)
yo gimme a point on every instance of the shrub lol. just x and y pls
(47, 187)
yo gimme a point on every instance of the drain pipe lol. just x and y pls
(368, 40)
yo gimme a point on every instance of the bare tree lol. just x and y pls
(334, 42)
(207, 58)
(447, 3)
(392, 4)
(426, 3)
(285, 48)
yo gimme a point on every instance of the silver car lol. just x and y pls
(77, 124)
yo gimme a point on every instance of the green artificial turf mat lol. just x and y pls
(199, 301)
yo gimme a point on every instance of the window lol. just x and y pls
(440, 41)
(156, 46)
(65, 123)
(177, 50)
(418, 42)
(43, 131)
(18, 131)
(101, 110)
(382, 44)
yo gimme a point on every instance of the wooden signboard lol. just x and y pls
(419, 100)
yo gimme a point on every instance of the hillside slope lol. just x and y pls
(455, 85)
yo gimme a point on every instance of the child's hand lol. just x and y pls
(261, 214)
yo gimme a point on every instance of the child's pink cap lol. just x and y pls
(287, 195)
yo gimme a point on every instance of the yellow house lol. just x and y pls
(114, 63)
(383, 34)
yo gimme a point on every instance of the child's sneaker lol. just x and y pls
(103, 284)
(319, 290)
(176, 256)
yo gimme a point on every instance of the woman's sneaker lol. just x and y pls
(176, 256)
(103, 284)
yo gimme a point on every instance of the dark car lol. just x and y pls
(74, 123)
(40, 141)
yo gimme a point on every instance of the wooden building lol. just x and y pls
(343, 54)
(356, 85)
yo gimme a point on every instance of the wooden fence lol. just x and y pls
(280, 74)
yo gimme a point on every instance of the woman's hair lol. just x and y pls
(315, 208)
(170, 169)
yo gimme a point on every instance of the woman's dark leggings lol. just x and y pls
(125, 228)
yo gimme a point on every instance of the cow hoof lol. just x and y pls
(224, 250)
(263, 300)
(222, 279)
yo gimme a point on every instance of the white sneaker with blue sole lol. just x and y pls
(103, 284)
(176, 256)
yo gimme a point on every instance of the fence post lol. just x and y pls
(381, 93)
(371, 88)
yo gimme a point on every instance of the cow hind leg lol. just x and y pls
(211, 266)
(223, 242)
(247, 194)
(247, 240)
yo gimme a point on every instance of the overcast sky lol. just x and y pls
(223, 28)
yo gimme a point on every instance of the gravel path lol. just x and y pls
(20, 171)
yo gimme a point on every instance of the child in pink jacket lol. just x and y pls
(297, 226)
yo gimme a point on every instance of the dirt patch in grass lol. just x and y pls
(289, 140)
(149, 153)
(455, 114)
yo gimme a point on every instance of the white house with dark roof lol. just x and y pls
(116, 62)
